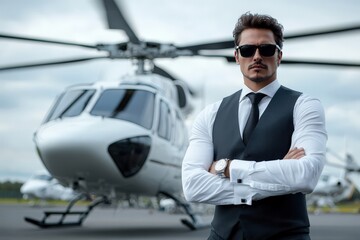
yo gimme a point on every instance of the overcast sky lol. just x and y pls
(26, 95)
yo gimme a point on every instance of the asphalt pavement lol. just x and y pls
(121, 223)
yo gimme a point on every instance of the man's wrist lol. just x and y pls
(221, 166)
(227, 169)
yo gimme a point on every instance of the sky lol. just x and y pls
(27, 95)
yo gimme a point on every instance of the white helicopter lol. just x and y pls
(333, 188)
(128, 136)
(44, 187)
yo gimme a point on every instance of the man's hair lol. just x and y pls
(249, 20)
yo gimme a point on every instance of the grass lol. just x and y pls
(39, 202)
(350, 207)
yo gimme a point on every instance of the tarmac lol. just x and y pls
(122, 223)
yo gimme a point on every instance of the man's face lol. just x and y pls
(257, 69)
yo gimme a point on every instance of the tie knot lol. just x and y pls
(255, 98)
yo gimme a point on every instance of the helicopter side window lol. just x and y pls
(70, 104)
(179, 132)
(165, 121)
(325, 178)
(43, 177)
(132, 105)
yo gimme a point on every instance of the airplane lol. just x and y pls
(44, 187)
(126, 136)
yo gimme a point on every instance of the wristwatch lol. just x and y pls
(220, 167)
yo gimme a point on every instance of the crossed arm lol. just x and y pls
(295, 153)
(297, 172)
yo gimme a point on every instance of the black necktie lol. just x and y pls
(253, 119)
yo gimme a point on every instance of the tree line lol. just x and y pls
(10, 189)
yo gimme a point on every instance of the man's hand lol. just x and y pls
(212, 168)
(295, 153)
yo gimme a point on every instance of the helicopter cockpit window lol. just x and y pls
(132, 105)
(70, 104)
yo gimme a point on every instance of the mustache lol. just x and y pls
(258, 64)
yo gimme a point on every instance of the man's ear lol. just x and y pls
(236, 57)
(279, 58)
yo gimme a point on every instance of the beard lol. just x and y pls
(258, 78)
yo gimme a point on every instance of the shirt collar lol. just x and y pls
(269, 90)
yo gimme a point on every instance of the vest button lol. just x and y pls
(243, 200)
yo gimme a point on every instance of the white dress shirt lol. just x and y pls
(259, 179)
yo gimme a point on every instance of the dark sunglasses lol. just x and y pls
(265, 50)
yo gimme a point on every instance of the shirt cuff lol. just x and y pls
(242, 194)
(240, 170)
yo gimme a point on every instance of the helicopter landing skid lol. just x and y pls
(61, 222)
(196, 220)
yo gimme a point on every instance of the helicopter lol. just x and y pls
(126, 136)
(333, 188)
(44, 187)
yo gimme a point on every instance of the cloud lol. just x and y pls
(26, 95)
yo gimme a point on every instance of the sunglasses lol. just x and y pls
(265, 50)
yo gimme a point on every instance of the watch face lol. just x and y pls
(220, 165)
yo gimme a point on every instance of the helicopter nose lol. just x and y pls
(76, 149)
(130, 154)
(32, 189)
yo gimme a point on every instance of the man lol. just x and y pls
(257, 175)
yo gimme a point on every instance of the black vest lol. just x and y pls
(271, 139)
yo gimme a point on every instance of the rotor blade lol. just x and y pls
(349, 169)
(166, 74)
(231, 59)
(163, 73)
(334, 64)
(323, 32)
(17, 37)
(322, 63)
(209, 46)
(116, 20)
(230, 43)
(6, 68)
(336, 155)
